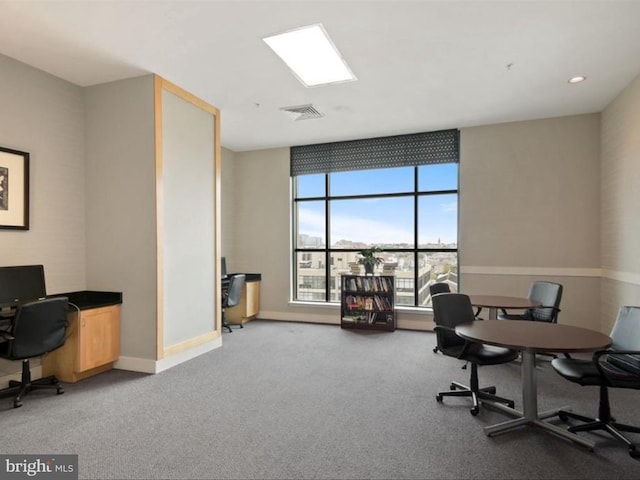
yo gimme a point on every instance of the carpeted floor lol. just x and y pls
(297, 401)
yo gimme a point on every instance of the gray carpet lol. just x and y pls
(297, 401)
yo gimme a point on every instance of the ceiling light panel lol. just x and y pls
(311, 56)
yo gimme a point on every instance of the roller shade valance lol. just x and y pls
(381, 152)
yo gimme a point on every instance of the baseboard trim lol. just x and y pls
(145, 365)
(332, 319)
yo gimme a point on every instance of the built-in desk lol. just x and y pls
(249, 305)
(93, 337)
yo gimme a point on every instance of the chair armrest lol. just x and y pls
(633, 371)
(6, 336)
(467, 343)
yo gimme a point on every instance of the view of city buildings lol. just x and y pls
(311, 269)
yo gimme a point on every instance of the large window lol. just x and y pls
(410, 212)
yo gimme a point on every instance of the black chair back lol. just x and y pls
(549, 295)
(38, 328)
(236, 284)
(449, 311)
(439, 287)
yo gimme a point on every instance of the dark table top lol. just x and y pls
(534, 336)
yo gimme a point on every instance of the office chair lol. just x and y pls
(548, 294)
(231, 297)
(38, 327)
(616, 367)
(434, 289)
(450, 310)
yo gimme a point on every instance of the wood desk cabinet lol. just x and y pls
(92, 345)
(249, 305)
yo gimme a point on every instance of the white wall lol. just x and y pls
(188, 231)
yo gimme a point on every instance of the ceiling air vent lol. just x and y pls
(302, 112)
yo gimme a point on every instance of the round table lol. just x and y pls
(531, 337)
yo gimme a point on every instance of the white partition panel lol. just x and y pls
(188, 243)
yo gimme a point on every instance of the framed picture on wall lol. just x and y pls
(14, 189)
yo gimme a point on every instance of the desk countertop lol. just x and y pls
(87, 299)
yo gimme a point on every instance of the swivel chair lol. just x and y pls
(231, 297)
(434, 289)
(548, 294)
(616, 367)
(450, 310)
(38, 327)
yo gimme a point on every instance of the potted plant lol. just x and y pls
(369, 260)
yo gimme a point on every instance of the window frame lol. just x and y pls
(328, 251)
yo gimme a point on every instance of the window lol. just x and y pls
(408, 208)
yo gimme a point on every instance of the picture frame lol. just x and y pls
(14, 189)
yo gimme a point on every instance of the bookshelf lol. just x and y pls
(367, 302)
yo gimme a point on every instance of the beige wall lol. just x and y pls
(529, 210)
(228, 207)
(620, 203)
(121, 205)
(44, 116)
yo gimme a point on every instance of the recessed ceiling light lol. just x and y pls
(311, 56)
(577, 79)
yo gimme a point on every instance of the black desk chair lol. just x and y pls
(617, 367)
(434, 289)
(231, 297)
(450, 310)
(38, 327)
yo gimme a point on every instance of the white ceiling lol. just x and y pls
(421, 65)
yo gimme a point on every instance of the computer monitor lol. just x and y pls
(21, 284)
(223, 268)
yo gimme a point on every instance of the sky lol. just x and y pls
(382, 220)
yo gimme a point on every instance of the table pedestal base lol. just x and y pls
(520, 420)
(530, 415)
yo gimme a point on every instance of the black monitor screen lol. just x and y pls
(20, 284)
(223, 267)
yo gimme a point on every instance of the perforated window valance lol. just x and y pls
(382, 152)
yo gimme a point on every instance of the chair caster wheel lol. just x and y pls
(435, 349)
(17, 404)
(452, 387)
(563, 416)
(59, 390)
(511, 404)
(439, 398)
(474, 411)
(634, 453)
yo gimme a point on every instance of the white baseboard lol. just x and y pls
(145, 365)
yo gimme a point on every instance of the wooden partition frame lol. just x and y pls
(161, 85)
